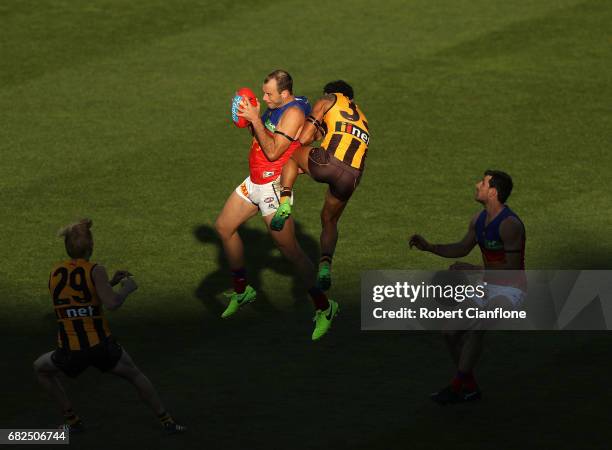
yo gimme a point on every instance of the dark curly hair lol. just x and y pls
(339, 86)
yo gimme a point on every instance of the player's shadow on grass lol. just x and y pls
(260, 254)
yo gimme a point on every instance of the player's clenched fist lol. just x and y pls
(118, 276)
(129, 284)
(247, 110)
(418, 241)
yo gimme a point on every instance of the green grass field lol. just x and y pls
(119, 111)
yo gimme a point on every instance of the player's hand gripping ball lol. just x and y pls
(241, 122)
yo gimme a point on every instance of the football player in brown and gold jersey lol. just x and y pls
(80, 291)
(338, 161)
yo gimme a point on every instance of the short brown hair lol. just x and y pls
(284, 82)
(78, 239)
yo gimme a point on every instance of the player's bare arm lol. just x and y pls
(313, 130)
(455, 250)
(288, 129)
(511, 231)
(112, 300)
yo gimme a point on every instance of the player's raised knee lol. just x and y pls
(41, 365)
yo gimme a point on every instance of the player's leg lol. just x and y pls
(126, 369)
(291, 169)
(330, 215)
(326, 309)
(454, 340)
(47, 373)
(470, 350)
(287, 244)
(237, 210)
(290, 172)
(465, 348)
(470, 354)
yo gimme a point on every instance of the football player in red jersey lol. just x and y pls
(500, 234)
(274, 141)
(80, 289)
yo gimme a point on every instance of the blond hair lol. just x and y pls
(78, 238)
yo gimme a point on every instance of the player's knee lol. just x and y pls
(40, 366)
(127, 371)
(223, 231)
(134, 373)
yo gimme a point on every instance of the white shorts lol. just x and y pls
(515, 295)
(265, 196)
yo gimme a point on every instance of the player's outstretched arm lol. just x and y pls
(111, 299)
(454, 250)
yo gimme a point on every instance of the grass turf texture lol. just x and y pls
(120, 112)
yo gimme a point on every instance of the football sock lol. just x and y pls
(165, 418)
(239, 280)
(318, 298)
(470, 382)
(70, 418)
(285, 194)
(325, 259)
(463, 380)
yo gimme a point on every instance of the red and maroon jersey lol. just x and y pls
(492, 246)
(262, 170)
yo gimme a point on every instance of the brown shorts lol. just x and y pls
(103, 356)
(325, 168)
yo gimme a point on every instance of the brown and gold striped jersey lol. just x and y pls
(80, 317)
(347, 134)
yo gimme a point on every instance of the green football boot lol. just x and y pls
(280, 217)
(239, 300)
(323, 320)
(324, 276)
